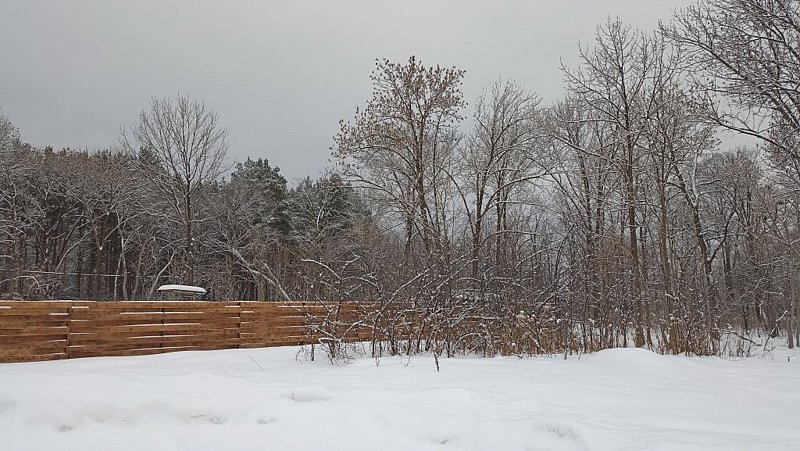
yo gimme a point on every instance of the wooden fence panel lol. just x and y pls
(153, 327)
(47, 330)
(33, 331)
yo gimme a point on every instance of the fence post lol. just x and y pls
(239, 327)
(69, 331)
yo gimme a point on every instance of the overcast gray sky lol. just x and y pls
(280, 73)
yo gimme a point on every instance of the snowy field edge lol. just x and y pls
(277, 399)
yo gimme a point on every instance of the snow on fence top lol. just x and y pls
(175, 288)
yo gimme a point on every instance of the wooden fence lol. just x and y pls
(49, 330)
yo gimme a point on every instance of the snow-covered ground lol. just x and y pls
(266, 399)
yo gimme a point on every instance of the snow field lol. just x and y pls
(267, 399)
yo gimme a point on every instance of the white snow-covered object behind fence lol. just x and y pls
(181, 288)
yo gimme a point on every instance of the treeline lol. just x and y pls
(96, 226)
(614, 217)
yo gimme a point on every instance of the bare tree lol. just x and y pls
(12, 163)
(497, 159)
(613, 80)
(587, 183)
(747, 58)
(396, 146)
(746, 54)
(182, 146)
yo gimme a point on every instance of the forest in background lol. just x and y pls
(613, 217)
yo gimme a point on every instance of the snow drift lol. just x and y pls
(269, 399)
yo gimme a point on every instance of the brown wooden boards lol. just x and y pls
(46, 330)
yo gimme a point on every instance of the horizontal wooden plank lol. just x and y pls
(27, 317)
(284, 309)
(275, 303)
(44, 322)
(149, 343)
(163, 301)
(90, 338)
(280, 307)
(138, 306)
(31, 358)
(97, 311)
(154, 316)
(198, 340)
(48, 347)
(42, 304)
(156, 303)
(275, 317)
(220, 323)
(146, 351)
(268, 325)
(276, 322)
(32, 311)
(32, 330)
(108, 340)
(163, 304)
(272, 324)
(267, 339)
(264, 338)
(277, 342)
(78, 353)
(269, 329)
(270, 335)
(106, 336)
(305, 311)
(284, 341)
(32, 338)
(97, 316)
(300, 304)
(76, 326)
(274, 344)
(271, 312)
(151, 328)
